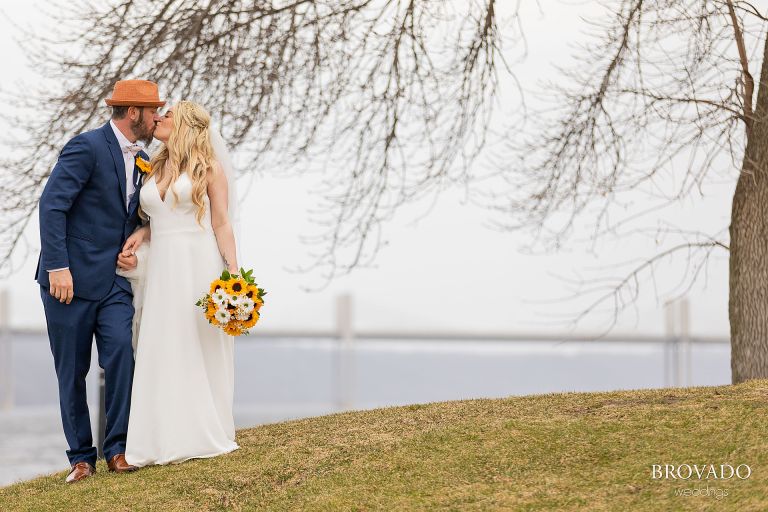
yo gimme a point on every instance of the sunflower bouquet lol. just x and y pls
(233, 302)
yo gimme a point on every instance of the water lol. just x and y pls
(283, 379)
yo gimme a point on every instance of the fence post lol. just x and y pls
(670, 346)
(6, 354)
(685, 342)
(678, 370)
(345, 356)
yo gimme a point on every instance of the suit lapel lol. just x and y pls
(117, 156)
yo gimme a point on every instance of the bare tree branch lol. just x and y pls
(388, 99)
(662, 84)
(621, 292)
(749, 82)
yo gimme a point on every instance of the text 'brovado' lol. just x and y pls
(699, 471)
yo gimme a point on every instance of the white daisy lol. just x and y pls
(223, 316)
(247, 304)
(235, 300)
(219, 297)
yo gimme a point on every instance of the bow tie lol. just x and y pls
(133, 149)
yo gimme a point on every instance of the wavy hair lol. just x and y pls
(188, 150)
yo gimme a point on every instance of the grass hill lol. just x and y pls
(565, 451)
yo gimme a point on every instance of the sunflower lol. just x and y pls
(236, 286)
(218, 284)
(234, 328)
(252, 291)
(252, 319)
(143, 165)
(210, 312)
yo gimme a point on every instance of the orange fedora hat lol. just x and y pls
(135, 93)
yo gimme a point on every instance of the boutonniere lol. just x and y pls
(143, 165)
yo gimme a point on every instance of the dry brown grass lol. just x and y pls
(571, 451)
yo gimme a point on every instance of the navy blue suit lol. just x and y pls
(84, 223)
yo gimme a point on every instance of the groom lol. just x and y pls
(87, 210)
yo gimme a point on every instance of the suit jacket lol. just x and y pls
(83, 219)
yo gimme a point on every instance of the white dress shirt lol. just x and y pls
(129, 150)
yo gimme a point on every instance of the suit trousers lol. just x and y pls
(71, 330)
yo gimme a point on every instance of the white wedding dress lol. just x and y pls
(183, 383)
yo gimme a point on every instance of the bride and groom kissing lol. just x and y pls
(168, 385)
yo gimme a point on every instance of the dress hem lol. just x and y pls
(179, 461)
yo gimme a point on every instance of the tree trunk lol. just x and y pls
(748, 293)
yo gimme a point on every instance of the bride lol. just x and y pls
(181, 403)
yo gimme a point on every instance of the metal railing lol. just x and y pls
(677, 346)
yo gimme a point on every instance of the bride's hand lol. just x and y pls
(135, 240)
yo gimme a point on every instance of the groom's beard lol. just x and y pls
(140, 131)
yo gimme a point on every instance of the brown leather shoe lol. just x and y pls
(80, 471)
(119, 465)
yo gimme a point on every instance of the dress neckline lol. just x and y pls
(157, 187)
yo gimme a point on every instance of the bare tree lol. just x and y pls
(663, 81)
(397, 95)
(394, 94)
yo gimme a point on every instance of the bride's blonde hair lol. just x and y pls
(188, 150)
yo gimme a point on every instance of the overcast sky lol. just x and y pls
(447, 270)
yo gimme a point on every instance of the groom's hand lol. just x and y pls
(127, 261)
(61, 285)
